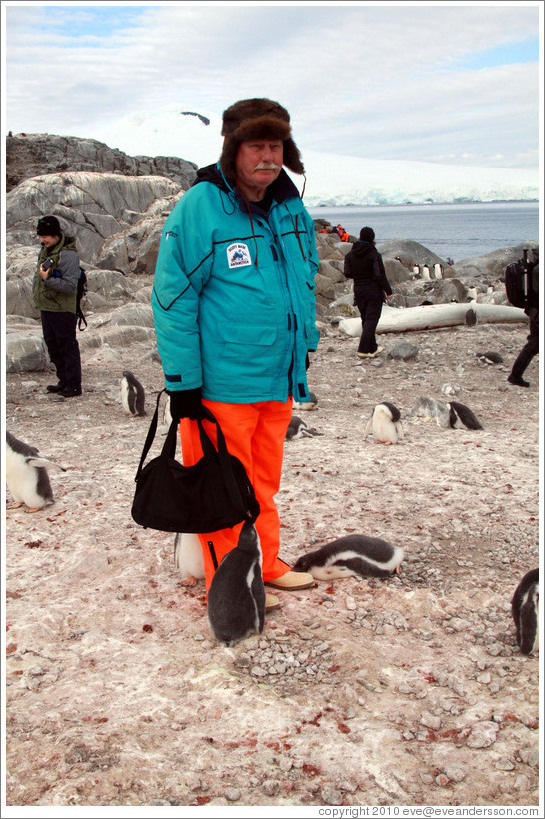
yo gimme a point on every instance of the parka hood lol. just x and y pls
(362, 249)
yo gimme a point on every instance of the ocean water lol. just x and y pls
(451, 231)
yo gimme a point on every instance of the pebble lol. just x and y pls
(455, 773)
(483, 734)
(530, 756)
(271, 787)
(430, 721)
(233, 794)
(504, 764)
(331, 796)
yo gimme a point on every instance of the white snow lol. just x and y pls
(331, 180)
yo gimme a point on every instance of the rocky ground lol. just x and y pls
(404, 691)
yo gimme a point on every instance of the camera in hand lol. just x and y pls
(47, 264)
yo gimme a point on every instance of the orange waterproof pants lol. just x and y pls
(255, 434)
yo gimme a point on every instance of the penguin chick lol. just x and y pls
(133, 397)
(385, 422)
(26, 475)
(490, 358)
(459, 412)
(236, 597)
(525, 611)
(306, 405)
(297, 428)
(356, 555)
(431, 410)
(471, 317)
(450, 389)
(188, 558)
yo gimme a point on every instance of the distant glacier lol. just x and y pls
(331, 180)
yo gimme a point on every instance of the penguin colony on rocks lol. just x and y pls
(236, 599)
(26, 475)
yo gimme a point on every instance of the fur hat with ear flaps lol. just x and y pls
(257, 119)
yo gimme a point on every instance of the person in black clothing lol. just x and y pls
(531, 348)
(364, 265)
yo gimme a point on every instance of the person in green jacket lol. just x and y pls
(55, 293)
(235, 311)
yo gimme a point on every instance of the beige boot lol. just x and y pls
(271, 602)
(292, 581)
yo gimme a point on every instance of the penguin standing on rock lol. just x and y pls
(133, 396)
(352, 555)
(26, 475)
(525, 611)
(385, 422)
(236, 597)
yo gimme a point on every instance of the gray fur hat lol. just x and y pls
(257, 118)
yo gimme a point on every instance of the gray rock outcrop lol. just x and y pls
(95, 208)
(29, 155)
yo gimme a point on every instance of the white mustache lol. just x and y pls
(266, 166)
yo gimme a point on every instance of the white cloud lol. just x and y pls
(365, 80)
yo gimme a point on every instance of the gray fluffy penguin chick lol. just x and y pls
(188, 558)
(26, 475)
(352, 555)
(385, 423)
(459, 412)
(431, 410)
(525, 611)
(236, 597)
(297, 428)
(133, 396)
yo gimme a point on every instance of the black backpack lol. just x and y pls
(517, 281)
(80, 293)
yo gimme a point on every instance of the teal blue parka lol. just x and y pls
(233, 297)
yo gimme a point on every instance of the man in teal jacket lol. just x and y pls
(235, 312)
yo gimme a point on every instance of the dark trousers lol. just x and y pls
(369, 299)
(530, 349)
(59, 330)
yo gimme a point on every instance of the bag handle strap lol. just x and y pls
(150, 436)
(225, 460)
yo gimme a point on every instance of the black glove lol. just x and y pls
(185, 404)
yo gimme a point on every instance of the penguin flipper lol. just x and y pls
(44, 462)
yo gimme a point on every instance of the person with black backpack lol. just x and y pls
(531, 308)
(55, 293)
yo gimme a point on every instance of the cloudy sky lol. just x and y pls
(452, 83)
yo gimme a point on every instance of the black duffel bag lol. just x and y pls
(213, 494)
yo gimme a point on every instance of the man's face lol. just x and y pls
(258, 163)
(49, 241)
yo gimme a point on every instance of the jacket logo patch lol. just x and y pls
(238, 255)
